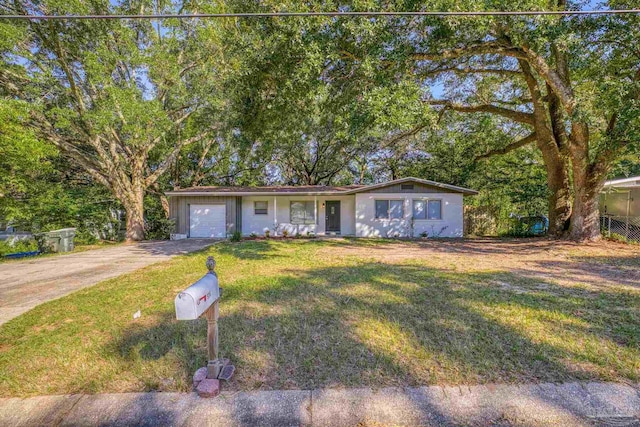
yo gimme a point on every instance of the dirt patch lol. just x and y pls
(598, 264)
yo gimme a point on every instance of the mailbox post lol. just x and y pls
(197, 300)
(214, 365)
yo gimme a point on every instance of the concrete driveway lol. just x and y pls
(25, 284)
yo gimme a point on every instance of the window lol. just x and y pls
(427, 209)
(389, 209)
(406, 186)
(434, 209)
(302, 212)
(260, 208)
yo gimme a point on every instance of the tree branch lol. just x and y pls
(470, 70)
(402, 135)
(517, 116)
(482, 48)
(514, 145)
(151, 179)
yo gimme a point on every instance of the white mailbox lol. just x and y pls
(197, 298)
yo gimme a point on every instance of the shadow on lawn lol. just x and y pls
(248, 250)
(378, 324)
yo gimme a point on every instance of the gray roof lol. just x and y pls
(631, 182)
(307, 189)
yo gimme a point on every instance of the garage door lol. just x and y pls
(207, 221)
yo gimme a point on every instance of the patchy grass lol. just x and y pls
(318, 313)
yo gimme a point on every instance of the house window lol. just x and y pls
(427, 209)
(389, 209)
(302, 212)
(260, 208)
(406, 186)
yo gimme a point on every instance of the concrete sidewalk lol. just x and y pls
(569, 404)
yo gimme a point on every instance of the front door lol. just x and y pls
(332, 217)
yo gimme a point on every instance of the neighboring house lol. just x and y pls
(621, 197)
(400, 208)
(620, 208)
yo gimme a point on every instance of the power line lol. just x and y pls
(325, 14)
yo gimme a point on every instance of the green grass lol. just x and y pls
(312, 313)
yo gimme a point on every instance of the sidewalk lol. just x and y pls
(569, 404)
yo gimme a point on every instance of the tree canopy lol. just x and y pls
(536, 111)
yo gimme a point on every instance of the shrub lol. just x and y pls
(267, 233)
(285, 233)
(517, 229)
(85, 237)
(236, 236)
(159, 228)
(11, 247)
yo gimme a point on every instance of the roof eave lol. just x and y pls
(253, 193)
(620, 182)
(453, 188)
(465, 191)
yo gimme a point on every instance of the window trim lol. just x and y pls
(305, 221)
(388, 217)
(426, 200)
(261, 201)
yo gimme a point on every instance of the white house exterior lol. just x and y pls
(408, 207)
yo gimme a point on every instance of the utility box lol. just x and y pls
(59, 240)
(197, 298)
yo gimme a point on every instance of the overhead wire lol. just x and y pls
(325, 14)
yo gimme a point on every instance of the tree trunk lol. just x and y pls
(134, 207)
(559, 187)
(165, 205)
(585, 215)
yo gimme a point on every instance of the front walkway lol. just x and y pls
(569, 404)
(25, 284)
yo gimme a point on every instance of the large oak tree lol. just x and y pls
(119, 98)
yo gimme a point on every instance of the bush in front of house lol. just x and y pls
(8, 247)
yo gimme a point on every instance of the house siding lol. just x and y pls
(615, 203)
(451, 224)
(259, 223)
(179, 210)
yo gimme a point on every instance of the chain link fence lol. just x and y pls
(621, 227)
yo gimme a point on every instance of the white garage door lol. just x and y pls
(207, 221)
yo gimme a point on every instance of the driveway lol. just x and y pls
(26, 284)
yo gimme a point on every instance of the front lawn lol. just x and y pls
(345, 312)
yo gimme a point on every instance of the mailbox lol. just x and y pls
(197, 298)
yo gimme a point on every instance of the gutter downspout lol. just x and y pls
(275, 216)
